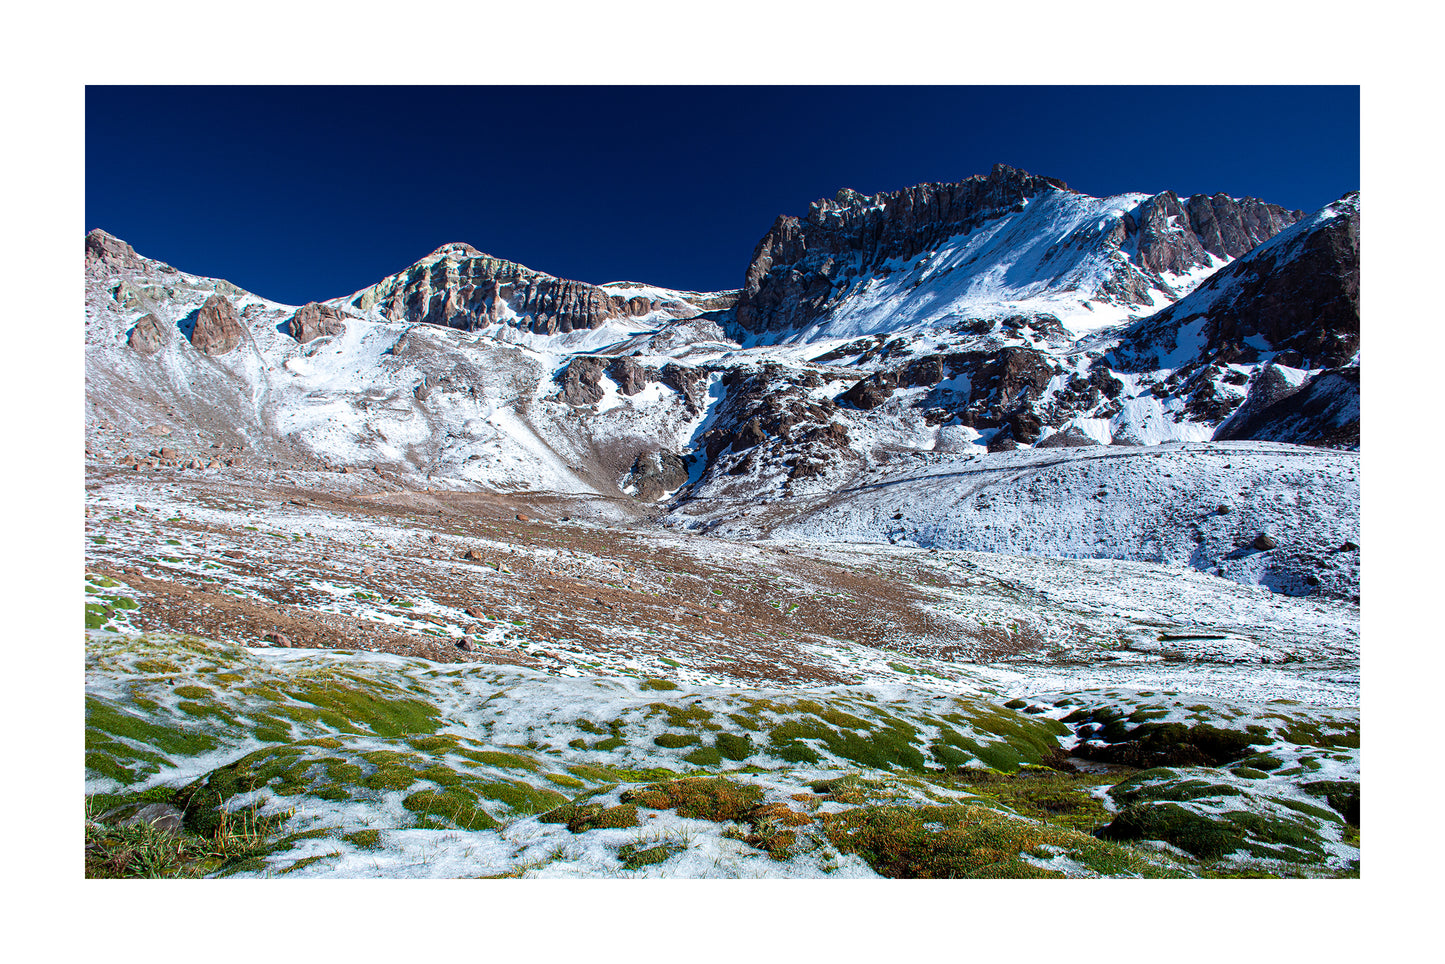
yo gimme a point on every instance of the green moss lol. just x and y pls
(1309, 810)
(362, 708)
(1185, 829)
(1287, 831)
(963, 841)
(366, 839)
(657, 684)
(592, 816)
(496, 758)
(635, 855)
(690, 717)
(106, 717)
(733, 746)
(675, 741)
(890, 745)
(1343, 796)
(1063, 799)
(1261, 761)
(704, 756)
(105, 765)
(157, 666)
(455, 806)
(1249, 773)
(1164, 784)
(747, 722)
(520, 797)
(391, 777)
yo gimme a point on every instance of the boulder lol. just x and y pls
(217, 329)
(313, 320)
(149, 335)
(581, 381)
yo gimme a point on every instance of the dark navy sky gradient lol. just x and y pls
(309, 193)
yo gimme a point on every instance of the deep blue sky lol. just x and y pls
(310, 193)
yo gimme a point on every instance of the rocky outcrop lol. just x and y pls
(1298, 294)
(217, 330)
(804, 267)
(102, 248)
(1270, 384)
(870, 392)
(1325, 411)
(1069, 437)
(799, 262)
(313, 321)
(581, 381)
(149, 335)
(690, 383)
(656, 474)
(630, 376)
(1175, 236)
(458, 286)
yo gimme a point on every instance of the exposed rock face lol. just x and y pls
(581, 381)
(458, 286)
(217, 329)
(108, 249)
(149, 335)
(314, 320)
(655, 474)
(1300, 293)
(802, 267)
(1177, 236)
(1325, 411)
(1269, 385)
(870, 392)
(690, 383)
(797, 264)
(630, 376)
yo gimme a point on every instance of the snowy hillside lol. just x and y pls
(1200, 505)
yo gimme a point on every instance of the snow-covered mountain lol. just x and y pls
(947, 323)
(1009, 243)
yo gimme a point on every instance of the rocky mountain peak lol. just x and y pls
(456, 249)
(105, 248)
(458, 286)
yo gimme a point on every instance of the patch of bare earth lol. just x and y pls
(538, 582)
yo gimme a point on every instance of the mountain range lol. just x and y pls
(1000, 364)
